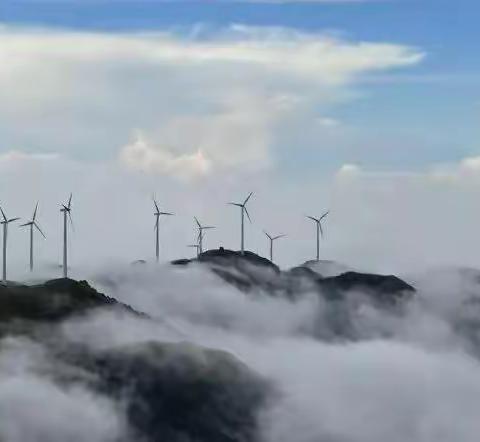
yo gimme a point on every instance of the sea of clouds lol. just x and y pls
(413, 377)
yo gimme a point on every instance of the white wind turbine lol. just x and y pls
(33, 223)
(196, 247)
(66, 209)
(157, 215)
(318, 222)
(5, 224)
(243, 208)
(200, 234)
(272, 239)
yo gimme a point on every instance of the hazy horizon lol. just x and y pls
(367, 109)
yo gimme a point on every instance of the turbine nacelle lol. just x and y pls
(318, 221)
(243, 205)
(274, 238)
(33, 222)
(65, 208)
(5, 219)
(8, 221)
(200, 227)
(158, 212)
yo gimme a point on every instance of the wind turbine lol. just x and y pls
(157, 215)
(66, 209)
(243, 208)
(5, 224)
(272, 239)
(196, 246)
(33, 223)
(318, 221)
(200, 234)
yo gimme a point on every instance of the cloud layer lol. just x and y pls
(201, 119)
(208, 100)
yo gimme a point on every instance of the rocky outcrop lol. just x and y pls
(383, 289)
(251, 273)
(177, 392)
(246, 271)
(166, 391)
(52, 301)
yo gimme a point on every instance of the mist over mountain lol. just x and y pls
(334, 143)
(231, 348)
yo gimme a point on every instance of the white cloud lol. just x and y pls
(321, 57)
(417, 384)
(236, 137)
(27, 385)
(328, 122)
(466, 170)
(15, 156)
(348, 170)
(217, 110)
(408, 219)
(223, 93)
(143, 156)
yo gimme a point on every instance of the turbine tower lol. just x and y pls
(200, 234)
(195, 246)
(243, 209)
(272, 239)
(5, 224)
(318, 222)
(33, 223)
(157, 215)
(66, 209)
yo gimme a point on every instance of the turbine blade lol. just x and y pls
(24, 225)
(39, 229)
(12, 220)
(236, 204)
(156, 205)
(208, 227)
(71, 220)
(321, 230)
(198, 222)
(324, 215)
(267, 234)
(248, 215)
(3, 214)
(166, 213)
(35, 212)
(313, 219)
(69, 201)
(279, 236)
(248, 197)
